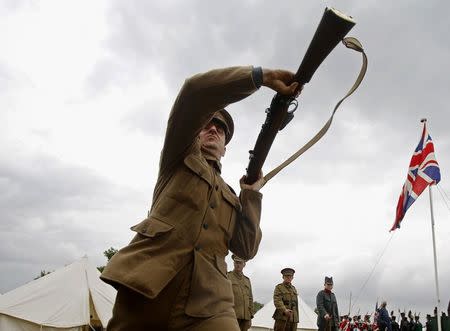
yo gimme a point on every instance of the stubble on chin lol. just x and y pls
(210, 148)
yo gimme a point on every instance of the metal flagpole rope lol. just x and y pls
(373, 269)
(444, 196)
(438, 317)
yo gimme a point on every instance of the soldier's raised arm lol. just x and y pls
(199, 98)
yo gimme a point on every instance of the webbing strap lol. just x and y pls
(351, 43)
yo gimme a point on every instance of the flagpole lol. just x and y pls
(438, 317)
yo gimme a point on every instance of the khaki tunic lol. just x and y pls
(285, 297)
(195, 217)
(243, 297)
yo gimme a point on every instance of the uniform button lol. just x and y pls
(197, 248)
(205, 226)
(212, 205)
(217, 187)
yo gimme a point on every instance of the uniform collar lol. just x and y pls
(213, 162)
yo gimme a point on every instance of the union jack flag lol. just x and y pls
(423, 171)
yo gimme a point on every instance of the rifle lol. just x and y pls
(332, 28)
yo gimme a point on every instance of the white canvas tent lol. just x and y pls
(263, 318)
(72, 298)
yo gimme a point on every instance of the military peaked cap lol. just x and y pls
(288, 271)
(237, 258)
(225, 119)
(328, 280)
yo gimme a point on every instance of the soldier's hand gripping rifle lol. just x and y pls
(331, 30)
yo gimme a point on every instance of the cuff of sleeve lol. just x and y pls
(257, 75)
(250, 194)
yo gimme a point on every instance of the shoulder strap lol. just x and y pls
(351, 43)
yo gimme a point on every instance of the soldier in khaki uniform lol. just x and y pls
(172, 275)
(286, 303)
(242, 293)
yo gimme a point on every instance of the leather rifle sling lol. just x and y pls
(351, 43)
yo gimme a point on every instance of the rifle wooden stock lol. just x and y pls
(331, 30)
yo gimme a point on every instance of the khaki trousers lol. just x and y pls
(135, 312)
(244, 325)
(281, 325)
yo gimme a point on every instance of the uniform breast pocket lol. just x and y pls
(185, 193)
(247, 289)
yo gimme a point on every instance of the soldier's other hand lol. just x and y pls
(281, 81)
(327, 317)
(287, 312)
(256, 186)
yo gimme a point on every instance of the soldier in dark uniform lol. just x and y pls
(327, 318)
(383, 320)
(411, 322)
(394, 324)
(428, 323)
(417, 325)
(242, 293)
(404, 325)
(286, 303)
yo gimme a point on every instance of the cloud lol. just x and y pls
(53, 213)
(326, 214)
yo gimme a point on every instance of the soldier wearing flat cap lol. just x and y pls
(285, 299)
(242, 293)
(328, 313)
(173, 274)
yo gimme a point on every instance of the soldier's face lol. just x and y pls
(329, 286)
(288, 278)
(212, 139)
(239, 266)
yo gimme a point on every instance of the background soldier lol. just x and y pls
(417, 326)
(356, 325)
(394, 324)
(384, 321)
(428, 323)
(242, 292)
(404, 325)
(366, 325)
(286, 303)
(344, 323)
(327, 318)
(411, 322)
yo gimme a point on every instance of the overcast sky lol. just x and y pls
(86, 88)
